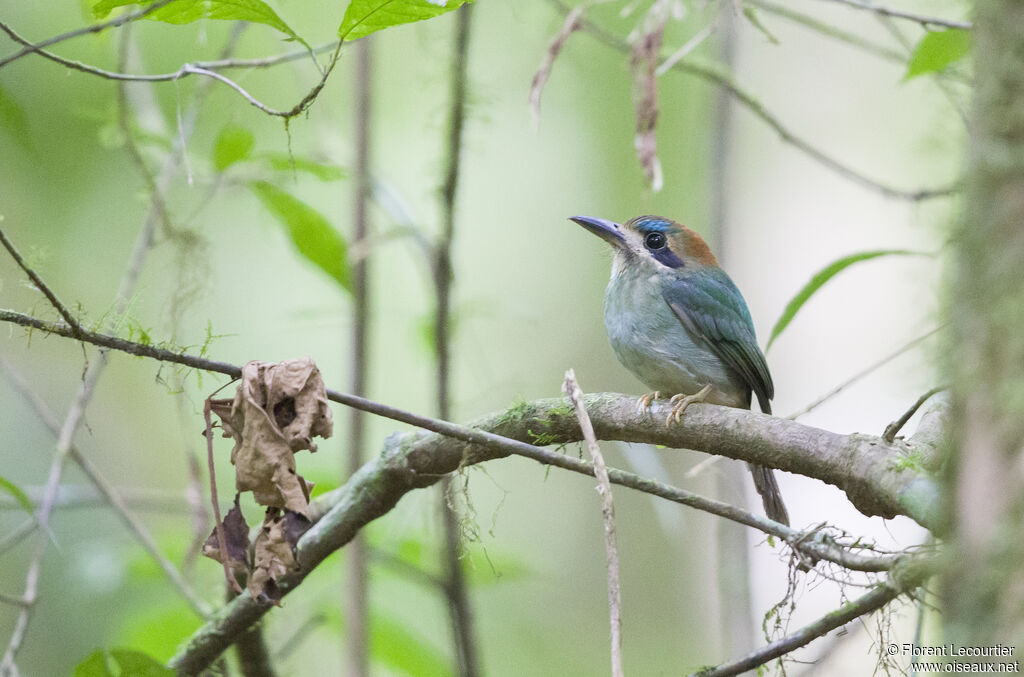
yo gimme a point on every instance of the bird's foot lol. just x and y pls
(644, 402)
(681, 402)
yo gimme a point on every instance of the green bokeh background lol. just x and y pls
(528, 295)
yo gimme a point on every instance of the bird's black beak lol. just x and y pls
(609, 231)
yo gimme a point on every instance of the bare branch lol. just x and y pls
(217, 64)
(109, 494)
(205, 69)
(643, 63)
(456, 591)
(749, 101)
(893, 428)
(604, 487)
(540, 78)
(38, 282)
(95, 28)
(912, 574)
(867, 371)
(922, 19)
(830, 31)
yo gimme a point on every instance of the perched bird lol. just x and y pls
(678, 322)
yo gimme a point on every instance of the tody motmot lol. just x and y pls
(678, 322)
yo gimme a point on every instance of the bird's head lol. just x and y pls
(652, 241)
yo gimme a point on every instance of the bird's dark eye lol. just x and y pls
(655, 240)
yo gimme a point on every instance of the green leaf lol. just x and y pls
(156, 628)
(399, 649)
(12, 118)
(121, 663)
(311, 232)
(232, 145)
(937, 50)
(364, 17)
(823, 276)
(23, 500)
(187, 11)
(283, 162)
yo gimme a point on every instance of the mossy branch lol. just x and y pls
(864, 466)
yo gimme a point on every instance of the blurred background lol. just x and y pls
(528, 290)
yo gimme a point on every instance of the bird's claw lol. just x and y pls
(680, 402)
(644, 402)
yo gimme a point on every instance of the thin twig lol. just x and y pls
(40, 285)
(13, 601)
(95, 28)
(893, 428)
(109, 494)
(218, 523)
(204, 68)
(356, 587)
(830, 31)
(216, 64)
(459, 609)
(75, 415)
(571, 388)
(922, 19)
(750, 102)
(17, 535)
(913, 576)
(863, 373)
(540, 78)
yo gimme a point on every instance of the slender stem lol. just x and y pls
(459, 608)
(604, 488)
(357, 639)
(893, 428)
(922, 19)
(830, 31)
(76, 413)
(94, 28)
(217, 64)
(38, 282)
(109, 494)
(867, 371)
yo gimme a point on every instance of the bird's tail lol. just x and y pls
(768, 488)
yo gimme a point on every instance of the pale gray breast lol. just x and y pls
(650, 341)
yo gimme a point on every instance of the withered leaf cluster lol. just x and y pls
(277, 410)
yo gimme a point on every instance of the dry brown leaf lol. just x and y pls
(273, 557)
(236, 539)
(643, 62)
(572, 23)
(277, 410)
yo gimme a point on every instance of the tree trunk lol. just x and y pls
(984, 588)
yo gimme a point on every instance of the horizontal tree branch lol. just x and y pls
(419, 459)
(879, 478)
